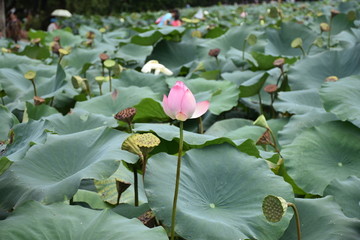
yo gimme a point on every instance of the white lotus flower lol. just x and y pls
(155, 65)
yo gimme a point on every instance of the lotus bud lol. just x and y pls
(38, 100)
(296, 43)
(214, 52)
(271, 88)
(331, 79)
(36, 41)
(261, 122)
(279, 62)
(90, 35)
(324, 27)
(334, 13)
(30, 75)
(103, 57)
(274, 208)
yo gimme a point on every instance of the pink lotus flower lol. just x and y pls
(181, 103)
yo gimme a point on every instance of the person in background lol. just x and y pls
(13, 26)
(53, 25)
(171, 18)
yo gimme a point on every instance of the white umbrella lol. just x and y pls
(61, 13)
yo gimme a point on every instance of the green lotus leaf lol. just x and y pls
(193, 140)
(67, 39)
(78, 121)
(280, 40)
(91, 198)
(298, 123)
(37, 112)
(130, 211)
(253, 85)
(133, 52)
(348, 39)
(12, 60)
(331, 152)
(174, 55)
(73, 222)
(7, 122)
(25, 136)
(79, 57)
(239, 77)
(299, 102)
(111, 103)
(52, 171)
(5, 163)
(130, 78)
(266, 62)
(215, 201)
(322, 219)
(347, 194)
(36, 52)
(342, 98)
(311, 72)
(154, 36)
(149, 110)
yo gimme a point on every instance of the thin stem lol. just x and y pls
(130, 127)
(110, 87)
(296, 212)
(177, 181)
(100, 89)
(136, 190)
(329, 33)
(278, 80)
(33, 83)
(243, 53)
(308, 51)
(2, 100)
(275, 146)
(260, 104)
(201, 126)
(88, 88)
(102, 69)
(302, 50)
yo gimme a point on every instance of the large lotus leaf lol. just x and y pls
(134, 78)
(194, 140)
(298, 123)
(299, 102)
(320, 154)
(67, 39)
(347, 194)
(37, 112)
(266, 62)
(312, 71)
(9, 60)
(224, 94)
(25, 135)
(153, 36)
(280, 40)
(149, 110)
(7, 122)
(340, 23)
(342, 98)
(73, 222)
(215, 200)
(234, 37)
(239, 77)
(174, 55)
(52, 171)
(222, 127)
(132, 52)
(92, 199)
(5, 163)
(107, 187)
(348, 39)
(253, 85)
(78, 57)
(322, 219)
(36, 52)
(111, 103)
(78, 121)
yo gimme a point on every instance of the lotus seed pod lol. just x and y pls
(77, 81)
(5, 50)
(334, 13)
(265, 139)
(324, 27)
(30, 75)
(296, 43)
(90, 35)
(196, 34)
(126, 115)
(214, 52)
(331, 79)
(271, 88)
(109, 63)
(279, 62)
(130, 145)
(261, 122)
(36, 40)
(100, 79)
(274, 208)
(121, 186)
(251, 39)
(103, 57)
(102, 30)
(63, 51)
(147, 140)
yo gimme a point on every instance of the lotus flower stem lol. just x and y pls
(201, 126)
(260, 104)
(296, 212)
(33, 83)
(177, 181)
(100, 89)
(278, 80)
(2, 100)
(329, 34)
(136, 184)
(302, 50)
(102, 69)
(110, 86)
